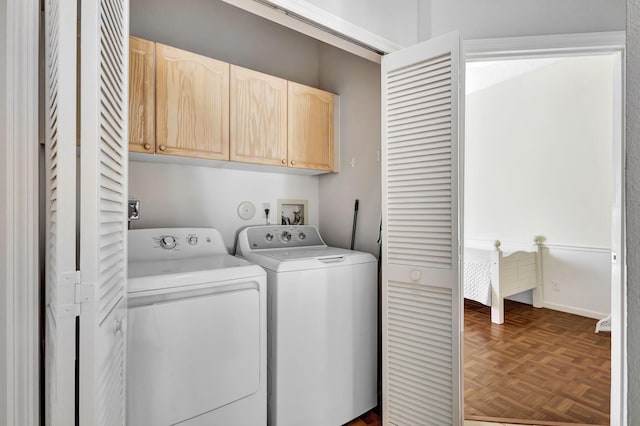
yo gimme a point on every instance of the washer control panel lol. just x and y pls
(271, 237)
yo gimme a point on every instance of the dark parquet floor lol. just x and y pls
(369, 419)
(539, 365)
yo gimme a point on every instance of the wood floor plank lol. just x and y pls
(540, 365)
(368, 419)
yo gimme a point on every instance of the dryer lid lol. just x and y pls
(184, 267)
(176, 275)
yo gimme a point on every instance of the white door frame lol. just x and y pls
(574, 45)
(19, 267)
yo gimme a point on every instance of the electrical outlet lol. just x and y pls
(555, 285)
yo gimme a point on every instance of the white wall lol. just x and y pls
(584, 280)
(538, 161)
(396, 21)
(508, 18)
(633, 208)
(538, 154)
(358, 82)
(175, 195)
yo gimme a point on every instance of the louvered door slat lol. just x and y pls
(60, 164)
(104, 163)
(420, 269)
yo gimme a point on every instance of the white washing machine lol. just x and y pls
(196, 347)
(322, 325)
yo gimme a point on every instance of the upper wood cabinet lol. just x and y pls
(258, 122)
(310, 126)
(192, 104)
(142, 86)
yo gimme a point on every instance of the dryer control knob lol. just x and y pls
(193, 240)
(268, 237)
(302, 236)
(168, 242)
(285, 236)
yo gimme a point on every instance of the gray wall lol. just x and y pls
(508, 18)
(3, 221)
(221, 31)
(358, 83)
(633, 208)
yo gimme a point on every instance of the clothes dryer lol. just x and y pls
(196, 347)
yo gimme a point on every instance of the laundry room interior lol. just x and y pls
(173, 195)
(251, 206)
(235, 309)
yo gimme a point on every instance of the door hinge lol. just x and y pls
(83, 291)
(66, 304)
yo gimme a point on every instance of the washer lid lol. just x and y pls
(302, 258)
(167, 274)
(283, 255)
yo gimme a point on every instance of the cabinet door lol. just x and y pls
(192, 104)
(258, 117)
(142, 84)
(310, 128)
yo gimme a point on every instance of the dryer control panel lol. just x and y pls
(174, 243)
(273, 237)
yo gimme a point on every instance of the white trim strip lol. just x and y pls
(280, 17)
(315, 15)
(576, 311)
(21, 221)
(546, 45)
(512, 245)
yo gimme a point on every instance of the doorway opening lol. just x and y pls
(543, 138)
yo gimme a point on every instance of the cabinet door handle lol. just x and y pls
(163, 148)
(293, 162)
(147, 146)
(284, 161)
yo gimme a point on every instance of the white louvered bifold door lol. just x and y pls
(103, 230)
(60, 211)
(421, 314)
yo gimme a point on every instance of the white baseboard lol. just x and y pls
(576, 311)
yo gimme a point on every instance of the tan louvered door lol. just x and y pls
(421, 312)
(103, 231)
(60, 212)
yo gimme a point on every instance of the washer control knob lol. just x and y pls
(268, 237)
(168, 242)
(302, 236)
(193, 240)
(285, 236)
